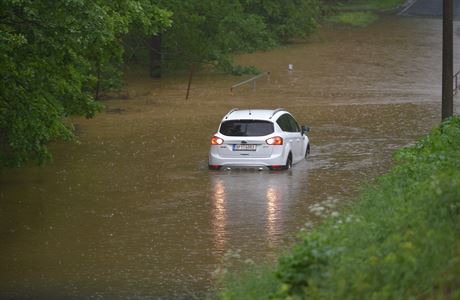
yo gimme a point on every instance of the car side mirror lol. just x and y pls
(305, 129)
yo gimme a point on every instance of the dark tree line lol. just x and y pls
(208, 32)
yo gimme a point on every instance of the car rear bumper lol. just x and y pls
(274, 160)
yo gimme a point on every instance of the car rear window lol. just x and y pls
(246, 128)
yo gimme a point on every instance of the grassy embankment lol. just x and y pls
(360, 12)
(400, 240)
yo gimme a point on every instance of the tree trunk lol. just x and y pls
(98, 82)
(155, 56)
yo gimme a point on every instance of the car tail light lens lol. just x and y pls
(215, 140)
(276, 140)
(214, 167)
(276, 167)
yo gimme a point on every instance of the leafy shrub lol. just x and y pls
(398, 237)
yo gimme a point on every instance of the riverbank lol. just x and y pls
(360, 13)
(399, 240)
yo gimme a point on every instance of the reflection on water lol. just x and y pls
(219, 215)
(253, 207)
(274, 200)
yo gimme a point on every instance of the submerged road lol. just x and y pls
(132, 212)
(429, 8)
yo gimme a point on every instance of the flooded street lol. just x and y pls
(131, 211)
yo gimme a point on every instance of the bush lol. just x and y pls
(396, 239)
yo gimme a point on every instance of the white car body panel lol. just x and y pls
(261, 154)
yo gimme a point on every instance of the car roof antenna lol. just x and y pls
(250, 112)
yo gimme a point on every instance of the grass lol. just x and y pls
(359, 13)
(400, 240)
(447, 287)
(259, 283)
(369, 5)
(357, 19)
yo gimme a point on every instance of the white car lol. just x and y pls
(260, 138)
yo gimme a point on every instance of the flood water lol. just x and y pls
(131, 211)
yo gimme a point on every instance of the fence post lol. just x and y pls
(192, 67)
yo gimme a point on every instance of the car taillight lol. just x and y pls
(276, 167)
(215, 140)
(276, 140)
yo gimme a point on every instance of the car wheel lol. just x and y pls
(288, 162)
(307, 152)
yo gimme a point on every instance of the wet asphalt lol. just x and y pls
(428, 8)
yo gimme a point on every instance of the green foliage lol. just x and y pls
(287, 19)
(53, 54)
(358, 19)
(238, 70)
(241, 32)
(396, 241)
(447, 284)
(368, 5)
(358, 13)
(261, 283)
(208, 32)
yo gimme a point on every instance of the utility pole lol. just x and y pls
(447, 60)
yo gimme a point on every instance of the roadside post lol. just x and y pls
(447, 60)
(192, 68)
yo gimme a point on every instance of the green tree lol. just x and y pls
(209, 32)
(286, 19)
(53, 55)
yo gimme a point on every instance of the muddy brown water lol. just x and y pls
(131, 211)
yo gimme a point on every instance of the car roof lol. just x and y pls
(253, 114)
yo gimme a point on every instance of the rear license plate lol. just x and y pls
(244, 147)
